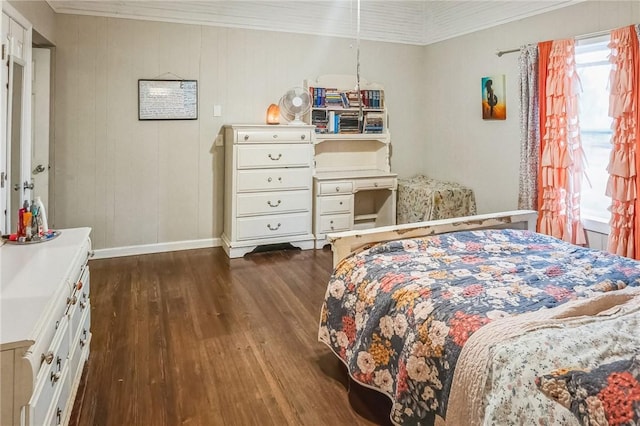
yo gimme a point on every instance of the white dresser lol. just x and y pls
(45, 318)
(268, 179)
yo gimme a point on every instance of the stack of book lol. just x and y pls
(373, 122)
(320, 120)
(348, 123)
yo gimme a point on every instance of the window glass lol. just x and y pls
(592, 60)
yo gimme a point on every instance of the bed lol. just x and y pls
(460, 323)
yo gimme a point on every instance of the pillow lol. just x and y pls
(608, 394)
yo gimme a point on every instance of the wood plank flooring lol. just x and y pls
(194, 338)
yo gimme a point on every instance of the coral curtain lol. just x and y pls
(562, 160)
(529, 128)
(623, 108)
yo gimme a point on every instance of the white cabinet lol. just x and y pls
(45, 328)
(354, 187)
(268, 179)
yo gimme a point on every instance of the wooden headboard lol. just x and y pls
(344, 243)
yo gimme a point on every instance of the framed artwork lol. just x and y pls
(167, 99)
(494, 105)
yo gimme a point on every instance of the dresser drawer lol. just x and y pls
(59, 413)
(250, 228)
(252, 204)
(79, 302)
(334, 223)
(328, 188)
(45, 338)
(335, 204)
(50, 376)
(273, 156)
(375, 183)
(277, 135)
(273, 179)
(79, 344)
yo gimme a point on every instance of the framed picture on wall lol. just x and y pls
(167, 99)
(494, 106)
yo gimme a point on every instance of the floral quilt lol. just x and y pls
(399, 313)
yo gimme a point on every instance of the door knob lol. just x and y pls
(39, 169)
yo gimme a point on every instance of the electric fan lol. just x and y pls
(294, 104)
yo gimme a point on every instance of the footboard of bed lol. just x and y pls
(344, 243)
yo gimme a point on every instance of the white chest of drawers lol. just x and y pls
(268, 178)
(45, 317)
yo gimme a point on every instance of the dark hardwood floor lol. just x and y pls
(194, 338)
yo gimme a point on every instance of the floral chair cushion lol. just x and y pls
(606, 395)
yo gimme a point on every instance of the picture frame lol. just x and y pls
(494, 106)
(167, 99)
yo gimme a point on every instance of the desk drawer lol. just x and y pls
(261, 203)
(334, 223)
(250, 228)
(273, 179)
(328, 188)
(335, 204)
(375, 183)
(273, 156)
(274, 136)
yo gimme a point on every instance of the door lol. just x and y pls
(40, 114)
(15, 137)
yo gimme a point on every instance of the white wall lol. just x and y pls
(484, 155)
(41, 16)
(150, 182)
(143, 182)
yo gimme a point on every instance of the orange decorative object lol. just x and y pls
(273, 114)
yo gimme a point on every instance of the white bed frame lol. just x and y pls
(344, 243)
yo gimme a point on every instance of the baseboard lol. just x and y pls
(156, 248)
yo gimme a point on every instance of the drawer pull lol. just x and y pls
(275, 136)
(337, 189)
(48, 357)
(375, 184)
(303, 137)
(276, 158)
(340, 202)
(55, 376)
(246, 137)
(273, 229)
(274, 205)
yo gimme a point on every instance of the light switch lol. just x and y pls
(217, 110)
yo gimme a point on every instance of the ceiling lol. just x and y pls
(398, 21)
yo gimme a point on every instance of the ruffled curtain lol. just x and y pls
(562, 160)
(529, 128)
(623, 108)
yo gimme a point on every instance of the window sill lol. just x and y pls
(596, 224)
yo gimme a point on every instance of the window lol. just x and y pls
(592, 61)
